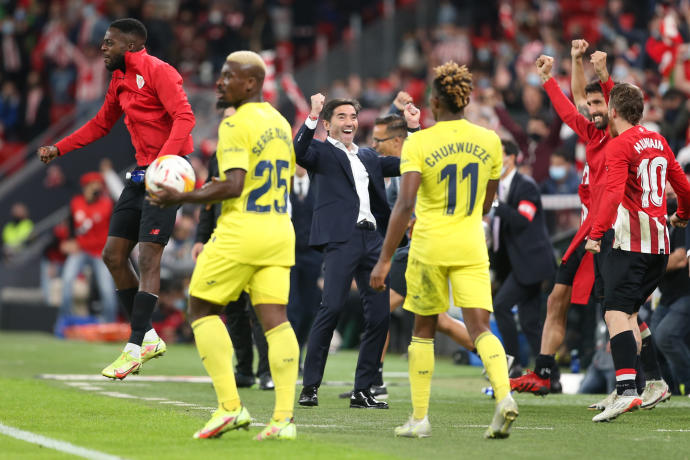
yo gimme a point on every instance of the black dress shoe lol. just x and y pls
(244, 381)
(309, 396)
(266, 382)
(362, 399)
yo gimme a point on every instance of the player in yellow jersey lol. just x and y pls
(452, 171)
(252, 247)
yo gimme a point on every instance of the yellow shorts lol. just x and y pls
(219, 280)
(427, 287)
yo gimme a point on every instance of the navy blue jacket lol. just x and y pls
(526, 242)
(337, 204)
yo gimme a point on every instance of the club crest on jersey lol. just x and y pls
(140, 81)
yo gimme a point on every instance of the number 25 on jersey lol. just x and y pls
(264, 169)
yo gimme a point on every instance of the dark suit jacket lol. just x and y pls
(526, 242)
(337, 204)
(209, 213)
(302, 211)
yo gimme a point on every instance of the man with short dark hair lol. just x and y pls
(638, 163)
(350, 217)
(160, 120)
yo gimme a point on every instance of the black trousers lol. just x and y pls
(245, 331)
(343, 261)
(304, 293)
(527, 299)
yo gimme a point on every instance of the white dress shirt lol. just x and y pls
(504, 186)
(361, 179)
(301, 186)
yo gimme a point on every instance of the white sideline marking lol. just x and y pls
(165, 379)
(131, 378)
(61, 446)
(543, 428)
(115, 394)
(674, 431)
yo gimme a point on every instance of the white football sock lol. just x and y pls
(134, 350)
(150, 335)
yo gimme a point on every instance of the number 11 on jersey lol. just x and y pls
(450, 172)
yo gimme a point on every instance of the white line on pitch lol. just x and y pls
(543, 428)
(675, 431)
(55, 444)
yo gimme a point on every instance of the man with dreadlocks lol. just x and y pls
(448, 170)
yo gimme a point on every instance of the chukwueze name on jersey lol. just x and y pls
(457, 148)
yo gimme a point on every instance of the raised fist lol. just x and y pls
(578, 48)
(544, 65)
(598, 60)
(48, 153)
(412, 114)
(401, 100)
(317, 101)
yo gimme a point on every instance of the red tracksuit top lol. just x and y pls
(594, 176)
(639, 162)
(90, 223)
(157, 114)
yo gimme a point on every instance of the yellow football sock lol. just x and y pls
(494, 358)
(215, 348)
(283, 358)
(420, 357)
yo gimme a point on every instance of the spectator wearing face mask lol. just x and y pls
(563, 179)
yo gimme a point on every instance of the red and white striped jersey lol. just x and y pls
(639, 162)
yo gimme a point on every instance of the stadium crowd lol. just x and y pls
(52, 65)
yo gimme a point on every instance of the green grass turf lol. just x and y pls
(552, 427)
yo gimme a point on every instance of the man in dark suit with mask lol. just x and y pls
(523, 256)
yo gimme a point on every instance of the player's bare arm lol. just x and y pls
(212, 192)
(577, 77)
(491, 189)
(397, 225)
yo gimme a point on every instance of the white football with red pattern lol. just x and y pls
(170, 170)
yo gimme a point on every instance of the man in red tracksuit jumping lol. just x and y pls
(160, 120)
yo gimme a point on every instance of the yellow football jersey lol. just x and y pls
(255, 227)
(456, 160)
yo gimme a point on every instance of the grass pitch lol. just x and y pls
(139, 419)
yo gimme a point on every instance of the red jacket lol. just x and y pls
(90, 223)
(157, 113)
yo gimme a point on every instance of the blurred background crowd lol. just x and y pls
(52, 78)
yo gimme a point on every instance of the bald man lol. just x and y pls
(252, 247)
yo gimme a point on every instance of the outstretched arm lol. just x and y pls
(94, 129)
(564, 108)
(577, 77)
